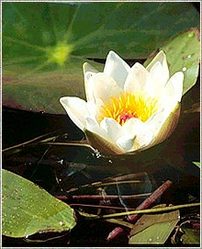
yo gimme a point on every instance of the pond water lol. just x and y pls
(50, 150)
(67, 172)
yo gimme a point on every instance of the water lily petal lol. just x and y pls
(138, 129)
(103, 136)
(134, 135)
(168, 126)
(93, 108)
(160, 57)
(93, 126)
(174, 87)
(158, 77)
(77, 110)
(137, 78)
(125, 142)
(104, 87)
(89, 68)
(89, 71)
(143, 139)
(102, 144)
(159, 73)
(172, 92)
(163, 124)
(116, 68)
(112, 128)
(132, 126)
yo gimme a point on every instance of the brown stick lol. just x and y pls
(100, 197)
(145, 204)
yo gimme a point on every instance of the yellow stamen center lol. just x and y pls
(128, 106)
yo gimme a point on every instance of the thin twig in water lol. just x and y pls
(99, 197)
(110, 181)
(120, 222)
(76, 144)
(17, 146)
(97, 206)
(145, 211)
(127, 177)
(102, 184)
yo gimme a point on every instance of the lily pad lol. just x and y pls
(28, 209)
(45, 44)
(154, 228)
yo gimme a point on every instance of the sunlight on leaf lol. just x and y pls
(59, 54)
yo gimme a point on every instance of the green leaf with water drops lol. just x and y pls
(183, 54)
(45, 44)
(154, 228)
(28, 209)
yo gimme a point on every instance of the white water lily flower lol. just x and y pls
(128, 109)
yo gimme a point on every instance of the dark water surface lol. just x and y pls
(61, 168)
(58, 169)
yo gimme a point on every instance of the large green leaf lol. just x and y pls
(45, 44)
(28, 209)
(183, 54)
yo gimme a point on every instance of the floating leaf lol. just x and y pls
(183, 53)
(45, 44)
(154, 228)
(28, 209)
